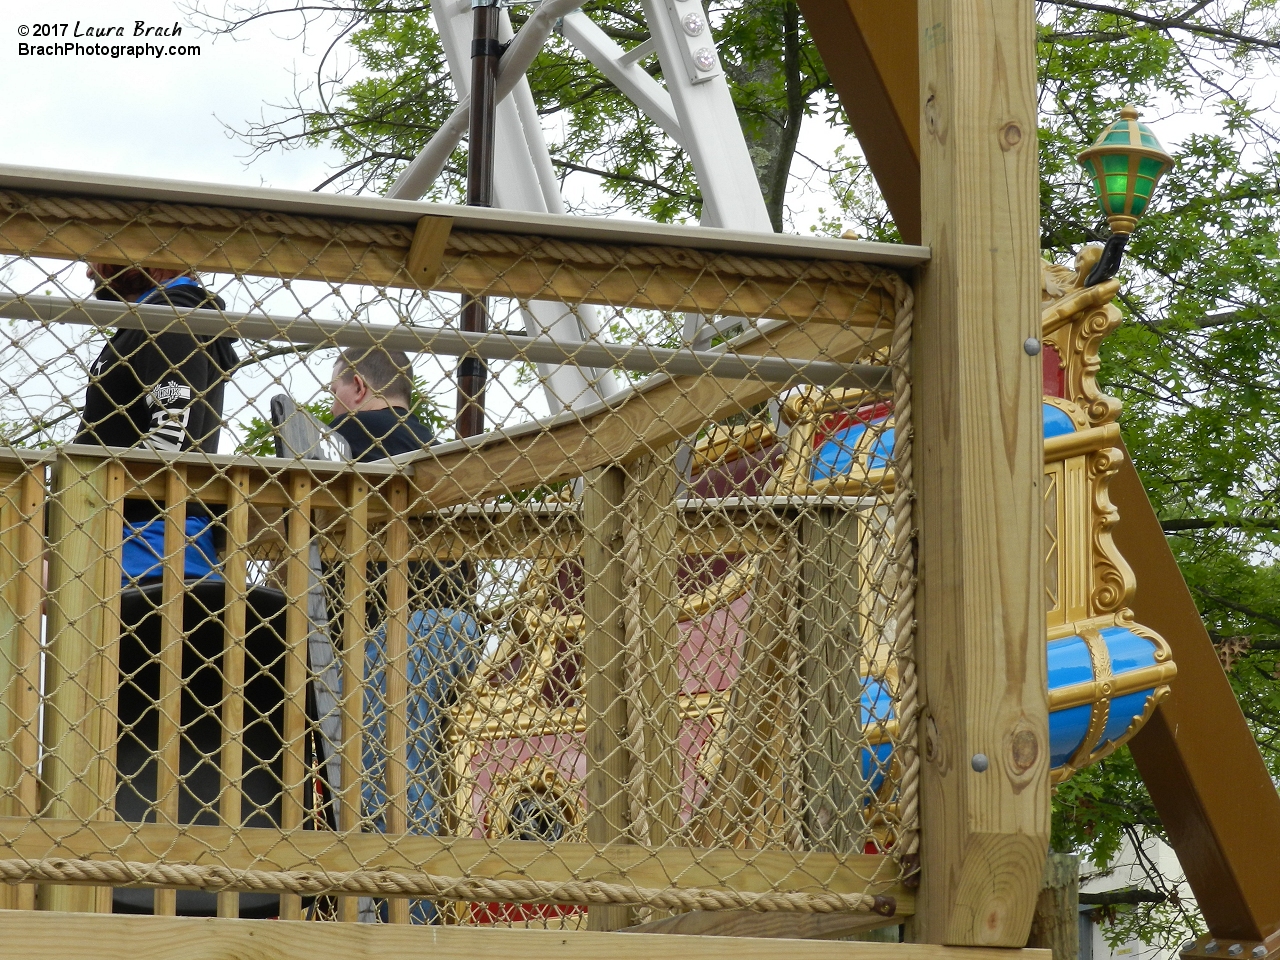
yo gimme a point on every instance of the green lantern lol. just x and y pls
(1126, 162)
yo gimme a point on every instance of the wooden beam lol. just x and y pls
(775, 925)
(654, 517)
(263, 848)
(870, 51)
(1199, 760)
(1056, 925)
(978, 467)
(523, 268)
(620, 429)
(22, 548)
(200, 938)
(603, 651)
(82, 626)
(829, 621)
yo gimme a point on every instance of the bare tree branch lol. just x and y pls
(1169, 23)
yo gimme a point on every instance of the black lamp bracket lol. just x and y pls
(1108, 264)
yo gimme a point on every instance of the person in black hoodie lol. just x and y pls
(371, 387)
(163, 390)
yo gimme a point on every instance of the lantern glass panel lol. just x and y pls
(1119, 135)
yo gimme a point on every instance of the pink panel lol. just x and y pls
(710, 648)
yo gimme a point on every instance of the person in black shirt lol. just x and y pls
(371, 387)
(163, 390)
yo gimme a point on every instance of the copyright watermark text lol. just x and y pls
(80, 39)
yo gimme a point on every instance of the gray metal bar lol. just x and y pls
(416, 179)
(378, 209)
(719, 362)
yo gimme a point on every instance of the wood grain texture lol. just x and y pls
(22, 546)
(978, 456)
(396, 770)
(83, 603)
(297, 627)
(603, 645)
(654, 516)
(750, 871)
(194, 938)
(235, 573)
(535, 274)
(172, 641)
(354, 631)
(776, 925)
(829, 638)
(1056, 925)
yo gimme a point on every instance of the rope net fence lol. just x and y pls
(275, 641)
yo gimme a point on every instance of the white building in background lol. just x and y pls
(1127, 873)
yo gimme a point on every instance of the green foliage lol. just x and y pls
(383, 119)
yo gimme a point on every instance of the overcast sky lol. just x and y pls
(163, 117)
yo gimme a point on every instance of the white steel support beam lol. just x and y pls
(708, 122)
(524, 179)
(623, 69)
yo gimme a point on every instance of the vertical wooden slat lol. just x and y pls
(297, 629)
(84, 589)
(109, 670)
(608, 761)
(169, 702)
(397, 662)
(21, 589)
(235, 573)
(829, 638)
(354, 587)
(979, 463)
(656, 521)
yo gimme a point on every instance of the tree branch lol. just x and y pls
(1169, 23)
(1217, 523)
(1115, 898)
(627, 178)
(1237, 607)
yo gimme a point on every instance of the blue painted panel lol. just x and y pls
(1123, 710)
(835, 456)
(1056, 422)
(881, 450)
(1069, 662)
(1067, 729)
(1128, 650)
(877, 707)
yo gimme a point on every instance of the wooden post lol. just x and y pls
(830, 645)
(396, 660)
(172, 641)
(297, 628)
(978, 465)
(21, 590)
(83, 608)
(355, 546)
(235, 573)
(608, 761)
(1056, 924)
(656, 522)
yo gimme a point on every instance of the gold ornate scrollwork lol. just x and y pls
(1075, 321)
(1112, 578)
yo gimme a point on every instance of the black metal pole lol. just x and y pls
(485, 53)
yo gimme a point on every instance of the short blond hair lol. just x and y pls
(387, 373)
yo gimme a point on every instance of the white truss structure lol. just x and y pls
(693, 107)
